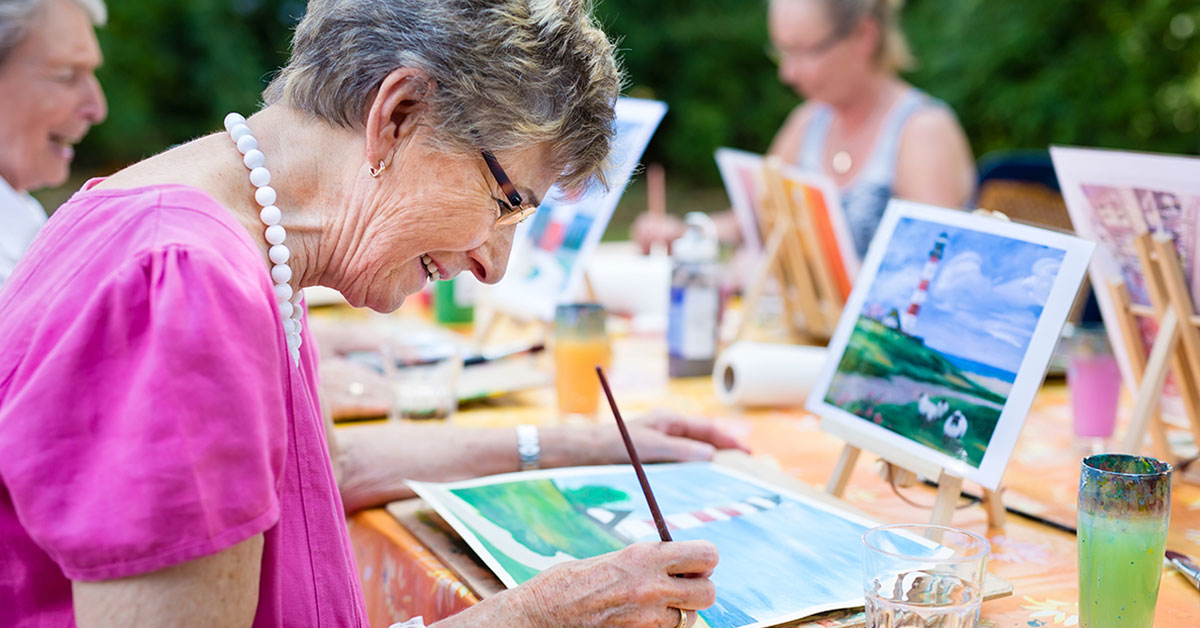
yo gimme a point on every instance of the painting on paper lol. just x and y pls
(549, 250)
(783, 556)
(1112, 197)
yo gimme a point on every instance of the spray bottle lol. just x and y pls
(695, 299)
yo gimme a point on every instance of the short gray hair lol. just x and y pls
(17, 15)
(508, 73)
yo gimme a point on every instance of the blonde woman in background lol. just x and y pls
(862, 125)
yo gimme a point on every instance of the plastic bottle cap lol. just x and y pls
(699, 240)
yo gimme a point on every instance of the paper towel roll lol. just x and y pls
(761, 374)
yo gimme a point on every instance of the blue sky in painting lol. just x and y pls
(773, 563)
(985, 298)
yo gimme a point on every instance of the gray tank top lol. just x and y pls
(866, 196)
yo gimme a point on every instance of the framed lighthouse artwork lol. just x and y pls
(946, 338)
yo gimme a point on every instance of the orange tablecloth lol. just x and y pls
(402, 579)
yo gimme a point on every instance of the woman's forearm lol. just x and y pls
(377, 460)
(374, 462)
(511, 609)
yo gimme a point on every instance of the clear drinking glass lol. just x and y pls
(1094, 381)
(424, 382)
(1124, 509)
(923, 575)
(581, 344)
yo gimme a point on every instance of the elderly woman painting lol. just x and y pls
(162, 457)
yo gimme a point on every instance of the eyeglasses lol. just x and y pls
(811, 52)
(516, 213)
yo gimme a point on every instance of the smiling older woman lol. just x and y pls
(48, 59)
(162, 458)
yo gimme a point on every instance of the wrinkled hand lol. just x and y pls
(650, 229)
(351, 390)
(665, 436)
(661, 436)
(630, 588)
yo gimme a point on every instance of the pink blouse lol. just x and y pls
(150, 415)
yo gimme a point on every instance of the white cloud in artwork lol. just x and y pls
(962, 275)
(894, 289)
(1015, 335)
(978, 315)
(985, 299)
(1034, 289)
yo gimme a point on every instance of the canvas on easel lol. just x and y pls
(550, 250)
(794, 221)
(1144, 211)
(944, 343)
(741, 172)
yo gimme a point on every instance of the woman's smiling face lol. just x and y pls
(432, 215)
(51, 96)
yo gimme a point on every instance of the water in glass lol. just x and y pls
(922, 599)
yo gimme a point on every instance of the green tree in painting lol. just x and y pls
(541, 518)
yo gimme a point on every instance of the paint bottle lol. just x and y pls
(454, 300)
(695, 299)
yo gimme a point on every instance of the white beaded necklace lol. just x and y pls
(264, 195)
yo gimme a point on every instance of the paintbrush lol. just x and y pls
(1186, 566)
(659, 522)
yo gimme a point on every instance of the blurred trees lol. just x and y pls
(1028, 73)
(1020, 73)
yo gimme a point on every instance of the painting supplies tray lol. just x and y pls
(433, 531)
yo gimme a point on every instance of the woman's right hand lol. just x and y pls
(632, 588)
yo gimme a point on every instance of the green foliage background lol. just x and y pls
(1020, 73)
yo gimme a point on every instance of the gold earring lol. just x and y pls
(376, 171)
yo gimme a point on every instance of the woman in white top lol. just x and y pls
(862, 125)
(48, 58)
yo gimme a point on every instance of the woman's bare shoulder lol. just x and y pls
(935, 165)
(787, 141)
(933, 121)
(182, 164)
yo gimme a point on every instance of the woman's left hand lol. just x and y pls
(665, 436)
(661, 436)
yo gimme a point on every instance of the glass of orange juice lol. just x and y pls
(581, 344)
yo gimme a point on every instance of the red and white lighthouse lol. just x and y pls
(908, 320)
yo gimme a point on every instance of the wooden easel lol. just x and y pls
(1176, 347)
(949, 486)
(791, 257)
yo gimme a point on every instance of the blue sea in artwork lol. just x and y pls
(979, 368)
(774, 563)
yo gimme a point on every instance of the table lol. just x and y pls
(401, 578)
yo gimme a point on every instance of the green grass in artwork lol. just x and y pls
(883, 372)
(876, 350)
(904, 419)
(542, 518)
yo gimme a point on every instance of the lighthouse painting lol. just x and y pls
(908, 321)
(953, 317)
